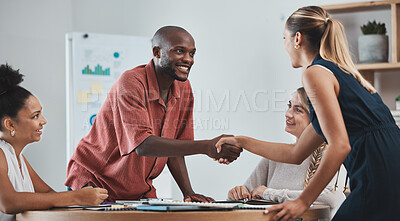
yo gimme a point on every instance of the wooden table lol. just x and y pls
(317, 212)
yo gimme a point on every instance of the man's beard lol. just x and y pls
(166, 67)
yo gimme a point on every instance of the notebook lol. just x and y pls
(256, 204)
(249, 206)
(180, 208)
(199, 204)
(247, 201)
(110, 208)
(80, 207)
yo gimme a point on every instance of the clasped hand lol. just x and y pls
(224, 144)
(227, 154)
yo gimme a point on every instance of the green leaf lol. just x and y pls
(373, 28)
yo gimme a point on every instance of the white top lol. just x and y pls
(286, 182)
(21, 181)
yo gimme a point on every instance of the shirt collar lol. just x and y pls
(154, 91)
(8, 146)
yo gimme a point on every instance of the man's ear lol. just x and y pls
(298, 38)
(156, 52)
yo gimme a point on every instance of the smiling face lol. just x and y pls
(177, 55)
(29, 124)
(297, 118)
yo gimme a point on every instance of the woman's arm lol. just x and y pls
(279, 152)
(322, 88)
(12, 202)
(328, 196)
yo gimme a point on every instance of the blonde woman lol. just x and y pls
(280, 182)
(347, 113)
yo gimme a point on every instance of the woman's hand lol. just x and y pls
(239, 192)
(91, 196)
(226, 140)
(258, 192)
(289, 210)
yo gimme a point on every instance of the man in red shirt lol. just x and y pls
(146, 122)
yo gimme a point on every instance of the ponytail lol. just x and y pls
(325, 36)
(334, 48)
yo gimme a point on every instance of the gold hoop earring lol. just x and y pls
(12, 133)
(297, 47)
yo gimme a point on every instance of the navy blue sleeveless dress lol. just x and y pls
(373, 164)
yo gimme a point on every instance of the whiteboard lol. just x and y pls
(94, 62)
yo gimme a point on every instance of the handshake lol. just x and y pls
(224, 149)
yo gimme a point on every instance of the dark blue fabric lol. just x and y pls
(373, 164)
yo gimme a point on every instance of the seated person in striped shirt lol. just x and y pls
(145, 123)
(22, 122)
(280, 182)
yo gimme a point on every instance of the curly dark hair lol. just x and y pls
(12, 96)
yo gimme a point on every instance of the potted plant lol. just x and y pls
(398, 103)
(373, 45)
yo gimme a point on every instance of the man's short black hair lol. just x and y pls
(159, 36)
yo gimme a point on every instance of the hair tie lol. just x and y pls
(326, 20)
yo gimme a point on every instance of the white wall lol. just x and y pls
(32, 40)
(240, 58)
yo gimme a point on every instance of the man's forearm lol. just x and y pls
(155, 146)
(177, 167)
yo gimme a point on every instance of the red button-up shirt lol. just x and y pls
(132, 111)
